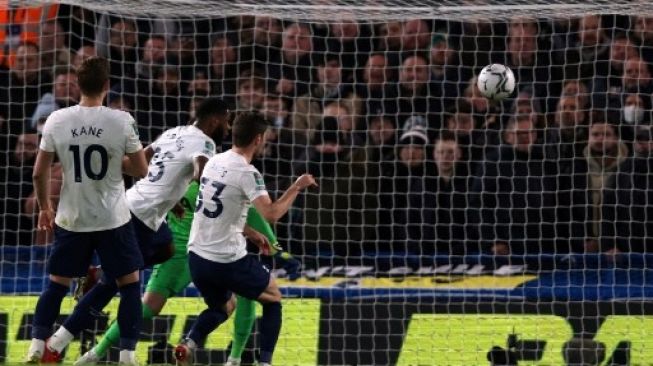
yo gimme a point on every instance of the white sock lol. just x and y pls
(37, 345)
(235, 361)
(60, 339)
(190, 343)
(127, 356)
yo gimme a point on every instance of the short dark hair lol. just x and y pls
(211, 107)
(92, 76)
(247, 126)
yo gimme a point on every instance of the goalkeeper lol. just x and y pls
(172, 276)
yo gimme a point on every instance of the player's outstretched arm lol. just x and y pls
(273, 211)
(41, 178)
(135, 164)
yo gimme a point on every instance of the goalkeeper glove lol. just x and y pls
(291, 265)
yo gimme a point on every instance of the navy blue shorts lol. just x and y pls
(247, 277)
(151, 242)
(73, 251)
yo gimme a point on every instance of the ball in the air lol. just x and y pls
(496, 81)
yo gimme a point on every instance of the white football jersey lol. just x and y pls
(90, 143)
(169, 173)
(227, 187)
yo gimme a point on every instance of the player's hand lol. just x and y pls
(305, 181)
(260, 240)
(46, 220)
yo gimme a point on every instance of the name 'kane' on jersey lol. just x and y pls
(228, 186)
(169, 173)
(91, 143)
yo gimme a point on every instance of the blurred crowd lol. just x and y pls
(411, 159)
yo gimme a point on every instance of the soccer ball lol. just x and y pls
(496, 81)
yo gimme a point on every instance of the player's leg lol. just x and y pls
(244, 317)
(166, 280)
(83, 315)
(206, 276)
(251, 279)
(70, 257)
(245, 313)
(270, 321)
(121, 259)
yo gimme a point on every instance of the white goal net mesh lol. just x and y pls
(444, 226)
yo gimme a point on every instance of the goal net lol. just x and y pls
(446, 229)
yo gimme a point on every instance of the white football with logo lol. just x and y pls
(496, 81)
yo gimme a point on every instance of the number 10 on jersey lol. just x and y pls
(87, 156)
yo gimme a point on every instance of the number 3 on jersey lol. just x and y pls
(88, 156)
(219, 187)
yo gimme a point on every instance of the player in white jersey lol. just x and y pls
(218, 259)
(176, 157)
(95, 146)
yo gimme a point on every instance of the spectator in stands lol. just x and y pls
(181, 51)
(276, 162)
(416, 36)
(52, 46)
(65, 93)
(223, 71)
(486, 115)
(154, 55)
(292, 71)
(350, 42)
(161, 106)
(476, 41)
(579, 89)
(16, 226)
(472, 142)
(446, 199)
(442, 56)
(636, 111)
(373, 89)
(588, 54)
(382, 138)
(389, 37)
(266, 39)
(621, 50)
(20, 90)
(342, 110)
(567, 139)
(445, 72)
(123, 43)
(82, 54)
(592, 174)
(307, 109)
(643, 36)
(636, 79)
(626, 216)
(402, 194)
(513, 193)
(529, 63)
(251, 91)
(415, 93)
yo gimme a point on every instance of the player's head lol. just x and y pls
(248, 130)
(212, 116)
(93, 77)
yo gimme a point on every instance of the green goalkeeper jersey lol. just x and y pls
(180, 226)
